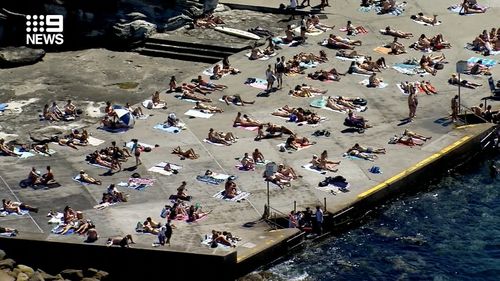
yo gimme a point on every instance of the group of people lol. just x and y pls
(487, 42)
(55, 113)
(307, 220)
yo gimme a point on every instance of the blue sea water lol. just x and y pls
(450, 232)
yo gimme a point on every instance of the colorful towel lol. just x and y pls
(397, 11)
(130, 144)
(240, 196)
(149, 104)
(265, 57)
(310, 168)
(214, 179)
(95, 141)
(380, 86)
(257, 83)
(363, 31)
(409, 69)
(159, 168)
(23, 154)
(165, 128)
(198, 114)
(485, 62)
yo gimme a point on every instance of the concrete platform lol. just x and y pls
(386, 108)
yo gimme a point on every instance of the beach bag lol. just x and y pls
(163, 213)
(438, 66)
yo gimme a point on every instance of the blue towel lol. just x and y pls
(209, 180)
(486, 62)
(405, 66)
(366, 9)
(173, 130)
(3, 106)
(396, 12)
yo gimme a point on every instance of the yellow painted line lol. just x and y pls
(413, 168)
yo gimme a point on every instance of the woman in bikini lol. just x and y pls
(84, 177)
(215, 138)
(411, 134)
(186, 154)
(362, 155)
(193, 96)
(397, 33)
(236, 100)
(244, 121)
(172, 84)
(367, 149)
(428, 20)
(156, 98)
(205, 107)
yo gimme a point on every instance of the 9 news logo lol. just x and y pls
(44, 30)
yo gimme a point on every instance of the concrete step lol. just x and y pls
(178, 56)
(197, 44)
(187, 50)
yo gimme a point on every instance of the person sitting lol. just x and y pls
(367, 149)
(414, 135)
(355, 67)
(353, 30)
(256, 53)
(155, 98)
(210, 85)
(185, 154)
(236, 100)
(229, 136)
(478, 68)
(396, 47)
(70, 109)
(48, 115)
(478, 110)
(117, 196)
(464, 83)
(70, 215)
(387, 6)
(317, 24)
(137, 112)
(230, 190)
(327, 164)
(374, 81)
(216, 138)
(172, 84)
(227, 68)
(195, 213)
(425, 19)
(287, 171)
(356, 121)
(471, 8)
(150, 226)
(55, 110)
(438, 43)
(84, 177)
(9, 151)
(16, 207)
(181, 192)
(207, 108)
(257, 156)
(48, 178)
(244, 121)
(426, 64)
(247, 162)
(123, 242)
(397, 33)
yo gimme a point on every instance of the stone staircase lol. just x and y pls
(187, 49)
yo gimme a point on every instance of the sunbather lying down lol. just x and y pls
(424, 86)
(207, 108)
(464, 83)
(297, 114)
(323, 75)
(362, 155)
(397, 33)
(194, 96)
(220, 137)
(295, 142)
(17, 207)
(7, 149)
(350, 55)
(124, 241)
(236, 100)
(84, 177)
(245, 121)
(185, 154)
(428, 20)
(343, 103)
(305, 91)
(367, 149)
(323, 163)
(223, 238)
(279, 179)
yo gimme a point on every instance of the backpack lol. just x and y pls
(280, 67)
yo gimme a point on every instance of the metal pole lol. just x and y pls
(268, 206)
(459, 101)
(295, 206)
(324, 200)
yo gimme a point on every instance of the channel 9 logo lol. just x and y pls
(44, 30)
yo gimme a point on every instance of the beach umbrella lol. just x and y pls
(124, 115)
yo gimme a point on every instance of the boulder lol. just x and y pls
(101, 275)
(26, 269)
(136, 16)
(37, 276)
(135, 31)
(7, 264)
(19, 56)
(90, 272)
(22, 277)
(177, 22)
(89, 279)
(2, 252)
(4, 276)
(46, 276)
(72, 274)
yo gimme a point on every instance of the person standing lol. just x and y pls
(454, 108)
(319, 220)
(136, 151)
(270, 78)
(412, 103)
(279, 69)
(293, 9)
(306, 1)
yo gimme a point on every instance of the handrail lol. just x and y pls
(472, 111)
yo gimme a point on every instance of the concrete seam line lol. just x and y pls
(218, 164)
(15, 196)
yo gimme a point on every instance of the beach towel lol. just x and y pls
(427, 24)
(210, 72)
(165, 128)
(104, 205)
(55, 218)
(397, 11)
(97, 165)
(485, 62)
(311, 169)
(248, 128)
(50, 152)
(6, 213)
(95, 141)
(419, 89)
(159, 168)
(409, 69)
(366, 9)
(321, 103)
(59, 228)
(137, 183)
(214, 178)
(313, 32)
(114, 130)
(279, 41)
(311, 64)
(298, 149)
(130, 144)
(257, 83)
(8, 234)
(265, 57)
(242, 195)
(241, 168)
(77, 179)
(457, 8)
(380, 86)
(341, 186)
(23, 154)
(3, 106)
(382, 50)
(149, 105)
(358, 59)
(213, 143)
(363, 31)
(184, 99)
(198, 114)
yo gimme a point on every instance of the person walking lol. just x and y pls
(279, 70)
(412, 103)
(319, 220)
(270, 78)
(136, 151)
(454, 108)
(293, 9)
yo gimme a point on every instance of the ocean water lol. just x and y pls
(449, 232)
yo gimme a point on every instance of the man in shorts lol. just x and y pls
(279, 70)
